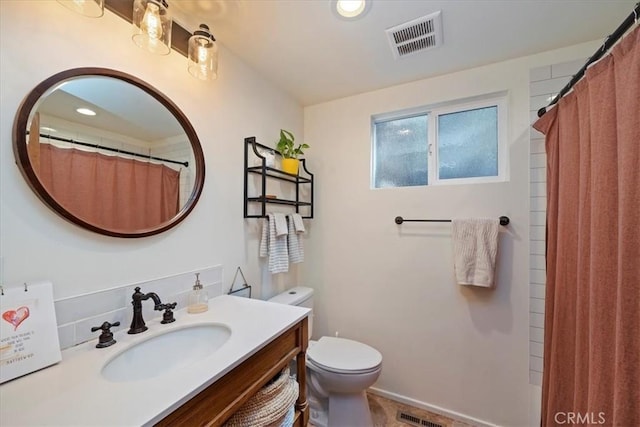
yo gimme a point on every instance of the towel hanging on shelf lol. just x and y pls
(274, 247)
(280, 224)
(298, 223)
(294, 239)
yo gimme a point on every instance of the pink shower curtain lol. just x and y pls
(110, 192)
(591, 372)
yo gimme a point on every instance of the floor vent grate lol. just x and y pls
(417, 35)
(410, 419)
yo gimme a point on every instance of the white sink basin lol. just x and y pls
(166, 352)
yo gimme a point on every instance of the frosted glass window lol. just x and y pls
(452, 143)
(400, 152)
(468, 143)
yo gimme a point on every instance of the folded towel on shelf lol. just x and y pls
(475, 246)
(274, 247)
(294, 239)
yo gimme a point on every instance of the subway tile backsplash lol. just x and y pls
(77, 315)
(544, 83)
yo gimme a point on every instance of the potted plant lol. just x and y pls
(290, 152)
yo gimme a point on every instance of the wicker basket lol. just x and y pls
(270, 406)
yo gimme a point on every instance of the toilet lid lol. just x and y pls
(343, 355)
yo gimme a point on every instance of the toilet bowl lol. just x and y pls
(339, 371)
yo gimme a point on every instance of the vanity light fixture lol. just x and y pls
(153, 30)
(351, 9)
(203, 54)
(89, 8)
(152, 26)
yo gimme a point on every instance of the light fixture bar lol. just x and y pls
(179, 35)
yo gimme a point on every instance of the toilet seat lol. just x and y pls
(317, 366)
(344, 356)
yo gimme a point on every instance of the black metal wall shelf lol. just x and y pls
(267, 172)
(278, 174)
(278, 201)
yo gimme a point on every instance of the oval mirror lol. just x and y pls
(108, 152)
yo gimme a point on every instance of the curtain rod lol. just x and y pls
(504, 220)
(608, 43)
(115, 150)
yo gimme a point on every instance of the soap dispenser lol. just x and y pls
(197, 298)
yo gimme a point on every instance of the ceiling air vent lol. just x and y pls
(417, 35)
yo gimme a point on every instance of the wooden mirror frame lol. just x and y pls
(20, 127)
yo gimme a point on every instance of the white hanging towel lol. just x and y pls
(264, 239)
(281, 224)
(274, 246)
(297, 223)
(296, 229)
(475, 246)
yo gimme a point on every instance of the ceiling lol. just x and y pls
(120, 106)
(303, 47)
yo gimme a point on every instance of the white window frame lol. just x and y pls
(432, 112)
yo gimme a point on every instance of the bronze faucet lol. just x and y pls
(137, 323)
(106, 337)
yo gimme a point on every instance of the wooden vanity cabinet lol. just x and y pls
(215, 404)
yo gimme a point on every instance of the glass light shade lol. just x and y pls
(152, 26)
(89, 8)
(203, 54)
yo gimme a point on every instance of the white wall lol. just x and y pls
(448, 348)
(40, 38)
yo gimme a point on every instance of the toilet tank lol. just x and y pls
(300, 296)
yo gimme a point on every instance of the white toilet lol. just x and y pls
(338, 372)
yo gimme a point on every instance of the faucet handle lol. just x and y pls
(167, 316)
(106, 337)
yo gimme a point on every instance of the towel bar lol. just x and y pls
(504, 220)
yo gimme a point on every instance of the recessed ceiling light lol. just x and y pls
(47, 129)
(350, 9)
(86, 111)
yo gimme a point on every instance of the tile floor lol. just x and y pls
(384, 413)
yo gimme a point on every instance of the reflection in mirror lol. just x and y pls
(108, 152)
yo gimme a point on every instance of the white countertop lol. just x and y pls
(74, 393)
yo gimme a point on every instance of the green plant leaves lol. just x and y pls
(286, 145)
